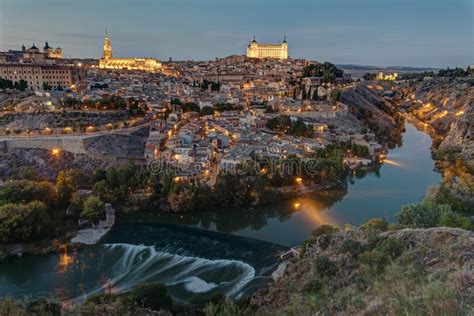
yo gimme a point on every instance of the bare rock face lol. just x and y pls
(117, 145)
(447, 104)
(460, 136)
(46, 165)
(379, 115)
(39, 121)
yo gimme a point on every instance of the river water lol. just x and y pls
(233, 252)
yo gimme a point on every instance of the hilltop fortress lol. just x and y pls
(278, 51)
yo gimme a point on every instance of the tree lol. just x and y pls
(423, 215)
(368, 76)
(93, 208)
(315, 94)
(65, 187)
(327, 71)
(6, 84)
(181, 198)
(207, 110)
(335, 96)
(190, 106)
(24, 222)
(46, 86)
(25, 191)
(21, 85)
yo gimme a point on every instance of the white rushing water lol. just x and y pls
(129, 265)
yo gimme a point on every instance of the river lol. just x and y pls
(233, 251)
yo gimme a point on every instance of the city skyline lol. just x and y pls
(424, 34)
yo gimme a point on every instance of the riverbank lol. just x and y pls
(443, 108)
(89, 236)
(37, 248)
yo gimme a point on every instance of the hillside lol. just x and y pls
(364, 272)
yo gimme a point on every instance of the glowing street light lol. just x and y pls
(55, 151)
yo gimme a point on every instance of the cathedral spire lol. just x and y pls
(107, 46)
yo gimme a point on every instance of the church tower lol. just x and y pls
(107, 47)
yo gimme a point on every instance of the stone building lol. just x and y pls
(38, 74)
(49, 52)
(277, 51)
(109, 62)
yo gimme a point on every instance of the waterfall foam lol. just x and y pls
(130, 265)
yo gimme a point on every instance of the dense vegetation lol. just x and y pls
(452, 73)
(32, 209)
(285, 125)
(327, 71)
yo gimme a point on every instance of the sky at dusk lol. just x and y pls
(427, 33)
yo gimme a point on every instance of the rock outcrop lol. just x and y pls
(369, 106)
(355, 272)
(446, 104)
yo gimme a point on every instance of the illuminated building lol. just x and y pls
(109, 62)
(277, 51)
(38, 74)
(382, 76)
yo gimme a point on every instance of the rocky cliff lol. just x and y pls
(369, 106)
(446, 104)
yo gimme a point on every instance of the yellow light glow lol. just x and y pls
(392, 162)
(55, 151)
(297, 205)
(299, 180)
(459, 113)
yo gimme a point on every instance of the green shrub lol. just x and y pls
(375, 225)
(325, 267)
(324, 230)
(313, 286)
(353, 247)
(451, 219)
(423, 215)
(93, 208)
(24, 222)
(43, 306)
(101, 299)
(149, 295)
(324, 233)
(223, 309)
(392, 247)
(375, 260)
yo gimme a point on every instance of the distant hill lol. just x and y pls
(359, 70)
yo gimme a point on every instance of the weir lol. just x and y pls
(192, 263)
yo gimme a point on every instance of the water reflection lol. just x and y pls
(392, 162)
(375, 192)
(65, 260)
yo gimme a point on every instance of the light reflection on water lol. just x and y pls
(403, 178)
